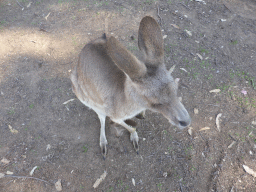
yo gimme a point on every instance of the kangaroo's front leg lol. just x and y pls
(103, 139)
(133, 135)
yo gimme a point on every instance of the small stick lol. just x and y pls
(159, 15)
(20, 4)
(28, 178)
(181, 187)
(185, 6)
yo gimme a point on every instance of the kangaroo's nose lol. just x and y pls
(184, 123)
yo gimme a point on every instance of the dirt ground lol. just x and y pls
(211, 42)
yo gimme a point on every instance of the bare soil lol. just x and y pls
(212, 44)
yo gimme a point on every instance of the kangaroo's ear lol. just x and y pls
(150, 41)
(125, 60)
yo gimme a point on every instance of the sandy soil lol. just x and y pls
(212, 44)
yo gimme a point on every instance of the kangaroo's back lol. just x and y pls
(96, 78)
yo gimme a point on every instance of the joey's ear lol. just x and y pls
(150, 41)
(125, 60)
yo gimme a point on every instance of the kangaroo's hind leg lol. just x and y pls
(103, 139)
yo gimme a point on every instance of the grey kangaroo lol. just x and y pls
(113, 82)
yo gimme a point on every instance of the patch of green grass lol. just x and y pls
(26, 129)
(85, 149)
(204, 51)
(233, 42)
(31, 106)
(159, 185)
(11, 112)
(110, 189)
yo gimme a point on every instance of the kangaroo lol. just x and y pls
(110, 80)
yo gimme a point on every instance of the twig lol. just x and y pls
(159, 15)
(20, 4)
(185, 6)
(202, 136)
(180, 187)
(14, 176)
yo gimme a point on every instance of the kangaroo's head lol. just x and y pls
(152, 81)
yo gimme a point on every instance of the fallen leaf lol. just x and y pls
(200, 56)
(9, 173)
(223, 20)
(66, 102)
(249, 170)
(188, 32)
(253, 122)
(184, 70)
(12, 130)
(190, 130)
(165, 174)
(58, 185)
(196, 111)
(99, 180)
(201, 1)
(1, 175)
(231, 144)
(205, 128)
(32, 171)
(46, 17)
(133, 181)
(48, 147)
(29, 4)
(215, 91)
(171, 69)
(218, 121)
(5, 161)
(176, 26)
(164, 37)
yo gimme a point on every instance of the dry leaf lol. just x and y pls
(171, 69)
(12, 130)
(218, 121)
(164, 37)
(231, 144)
(46, 17)
(176, 26)
(29, 4)
(253, 122)
(58, 185)
(249, 170)
(215, 91)
(99, 180)
(133, 181)
(205, 128)
(5, 161)
(9, 173)
(165, 174)
(32, 171)
(196, 111)
(1, 175)
(48, 147)
(190, 130)
(184, 70)
(66, 102)
(188, 32)
(200, 56)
